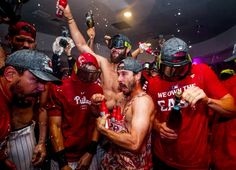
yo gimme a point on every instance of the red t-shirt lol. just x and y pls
(224, 135)
(4, 122)
(72, 102)
(190, 150)
(148, 79)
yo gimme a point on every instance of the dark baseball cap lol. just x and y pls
(233, 57)
(130, 64)
(39, 64)
(174, 45)
(175, 52)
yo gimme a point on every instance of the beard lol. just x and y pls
(127, 89)
(117, 59)
(21, 100)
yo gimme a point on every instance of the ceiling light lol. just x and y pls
(127, 14)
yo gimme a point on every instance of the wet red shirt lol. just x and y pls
(72, 102)
(190, 150)
(224, 135)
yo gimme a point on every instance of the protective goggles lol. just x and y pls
(87, 75)
(174, 73)
(118, 43)
(177, 60)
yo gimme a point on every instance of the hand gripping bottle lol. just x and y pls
(174, 119)
(113, 114)
(89, 19)
(118, 125)
(119, 116)
(63, 3)
(103, 112)
(146, 47)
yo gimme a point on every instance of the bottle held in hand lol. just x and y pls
(89, 19)
(117, 123)
(174, 119)
(62, 3)
(103, 112)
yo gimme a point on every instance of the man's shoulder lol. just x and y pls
(143, 97)
(200, 67)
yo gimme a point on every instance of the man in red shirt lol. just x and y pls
(185, 148)
(224, 129)
(71, 118)
(22, 78)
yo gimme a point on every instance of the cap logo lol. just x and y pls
(81, 60)
(180, 47)
(47, 64)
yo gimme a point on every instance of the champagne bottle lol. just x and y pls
(103, 112)
(174, 119)
(89, 19)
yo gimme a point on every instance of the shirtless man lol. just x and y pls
(120, 47)
(130, 148)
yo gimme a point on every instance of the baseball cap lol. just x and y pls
(173, 46)
(233, 57)
(226, 73)
(119, 41)
(130, 64)
(153, 66)
(37, 63)
(86, 75)
(175, 52)
(22, 28)
(146, 65)
(86, 58)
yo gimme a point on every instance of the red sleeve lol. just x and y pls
(54, 104)
(230, 84)
(212, 85)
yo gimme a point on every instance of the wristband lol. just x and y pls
(69, 19)
(92, 148)
(61, 158)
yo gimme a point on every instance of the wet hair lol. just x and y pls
(142, 80)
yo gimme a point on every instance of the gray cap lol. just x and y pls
(39, 64)
(233, 57)
(173, 46)
(130, 64)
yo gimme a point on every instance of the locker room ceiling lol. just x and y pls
(192, 20)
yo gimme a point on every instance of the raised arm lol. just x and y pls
(77, 36)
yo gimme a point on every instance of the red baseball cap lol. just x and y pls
(86, 58)
(22, 28)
